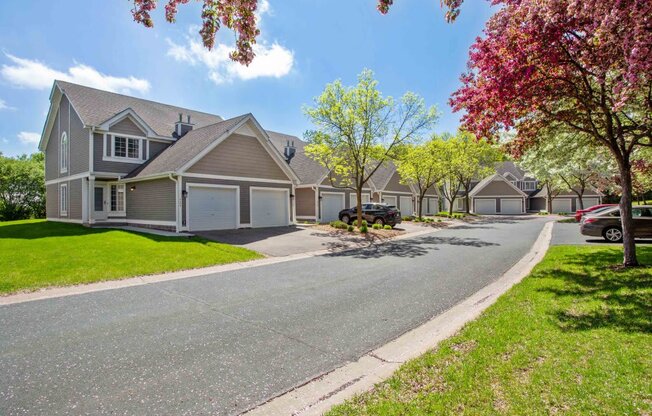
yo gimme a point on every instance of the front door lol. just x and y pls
(99, 203)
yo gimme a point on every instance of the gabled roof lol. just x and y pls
(486, 181)
(503, 168)
(589, 191)
(383, 174)
(186, 148)
(96, 107)
(308, 170)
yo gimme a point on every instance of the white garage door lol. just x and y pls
(589, 202)
(561, 205)
(430, 206)
(406, 207)
(352, 199)
(511, 206)
(270, 207)
(485, 206)
(212, 208)
(390, 200)
(331, 205)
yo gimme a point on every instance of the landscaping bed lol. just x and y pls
(37, 254)
(574, 337)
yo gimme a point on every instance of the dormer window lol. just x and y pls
(130, 148)
(63, 156)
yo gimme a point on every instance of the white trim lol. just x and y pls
(510, 174)
(498, 196)
(67, 178)
(63, 167)
(91, 149)
(63, 211)
(131, 114)
(68, 220)
(263, 188)
(306, 217)
(342, 189)
(84, 199)
(513, 199)
(123, 159)
(235, 178)
(245, 225)
(118, 213)
(132, 221)
(321, 205)
(355, 196)
(55, 99)
(398, 192)
(293, 208)
(210, 185)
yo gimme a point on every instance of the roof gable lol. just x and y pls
(505, 187)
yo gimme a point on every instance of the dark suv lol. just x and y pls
(373, 213)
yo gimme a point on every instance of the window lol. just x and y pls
(63, 199)
(126, 147)
(63, 156)
(529, 186)
(118, 198)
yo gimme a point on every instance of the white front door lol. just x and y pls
(561, 205)
(270, 207)
(485, 206)
(407, 207)
(99, 203)
(331, 205)
(511, 206)
(212, 208)
(366, 198)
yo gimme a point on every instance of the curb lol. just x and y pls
(58, 292)
(320, 394)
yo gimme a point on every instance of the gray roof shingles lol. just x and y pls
(97, 106)
(308, 170)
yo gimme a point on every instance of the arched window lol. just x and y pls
(64, 152)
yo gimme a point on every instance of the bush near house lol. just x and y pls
(22, 187)
(340, 225)
(574, 337)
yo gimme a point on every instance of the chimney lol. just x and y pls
(290, 151)
(181, 127)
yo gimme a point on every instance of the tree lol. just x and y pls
(451, 165)
(239, 16)
(358, 130)
(583, 67)
(22, 187)
(544, 169)
(476, 159)
(421, 166)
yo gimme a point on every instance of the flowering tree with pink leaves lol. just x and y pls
(579, 66)
(239, 16)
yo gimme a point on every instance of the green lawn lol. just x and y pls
(575, 337)
(36, 254)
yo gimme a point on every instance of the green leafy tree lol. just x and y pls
(544, 169)
(357, 130)
(452, 166)
(22, 187)
(421, 166)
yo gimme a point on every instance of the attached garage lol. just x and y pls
(270, 207)
(511, 206)
(352, 199)
(561, 205)
(430, 206)
(331, 205)
(407, 206)
(390, 200)
(589, 202)
(213, 207)
(485, 206)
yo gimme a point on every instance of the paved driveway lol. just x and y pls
(569, 233)
(285, 241)
(222, 343)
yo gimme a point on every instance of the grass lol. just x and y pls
(36, 254)
(575, 337)
(566, 220)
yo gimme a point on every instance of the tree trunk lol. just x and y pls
(579, 194)
(450, 207)
(358, 201)
(421, 196)
(629, 245)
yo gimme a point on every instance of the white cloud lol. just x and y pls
(28, 137)
(272, 60)
(4, 105)
(27, 73)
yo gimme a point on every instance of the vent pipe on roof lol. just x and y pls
(289, 151)
(181, 127)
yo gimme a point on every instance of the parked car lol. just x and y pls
(607, 224)
(373, 213)
(581, 212)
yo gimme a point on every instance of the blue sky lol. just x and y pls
(304, 44)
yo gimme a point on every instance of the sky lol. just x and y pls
(304, 44)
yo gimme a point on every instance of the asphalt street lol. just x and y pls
(223, 343)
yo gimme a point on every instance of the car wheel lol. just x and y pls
(346, 219)
(379, 221)
(613, 235)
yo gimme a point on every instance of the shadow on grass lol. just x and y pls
(411, 248)
(603, 297)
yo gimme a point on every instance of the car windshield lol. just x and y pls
(599, 210)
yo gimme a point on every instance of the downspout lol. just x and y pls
(177, 187)
(316, 190)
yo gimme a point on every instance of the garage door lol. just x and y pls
(352, 199)
(390, 200)
(511, 206)
(430, 206)
(331, 205)
(589, 202)
(561, 205)
(270, 207)
(212, 208)
(485, 206)
(407, 208)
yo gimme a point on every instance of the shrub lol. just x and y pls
(350, 228)
(377, 226)
(387, 227)
(407, 218)
(443, 214)
(340, 225)
(438, 219)
(364, 229)
(543, 212)
(364, 223)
